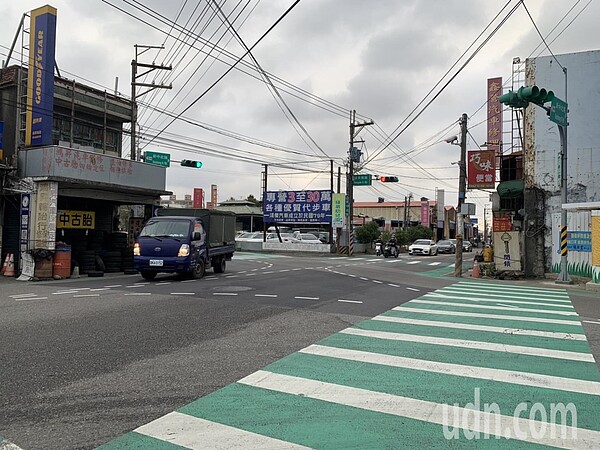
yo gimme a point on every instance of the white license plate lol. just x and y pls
(156, 262)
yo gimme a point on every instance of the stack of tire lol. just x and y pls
(112, 261)
(118, 242)
(87, 261)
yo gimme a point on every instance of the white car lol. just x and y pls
(423, 247)
(307, 238)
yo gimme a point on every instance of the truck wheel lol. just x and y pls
(219, 267)
(198, 271)
(148, 275)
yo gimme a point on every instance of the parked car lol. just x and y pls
(423, 247)
(446, 246)
(307, 238)
(467, 246)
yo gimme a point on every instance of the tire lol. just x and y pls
(148, 275)
(220, 266)
(198, 271)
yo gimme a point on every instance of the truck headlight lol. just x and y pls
(136, 249)
(184, 250)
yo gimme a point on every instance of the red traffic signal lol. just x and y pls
(387, 179)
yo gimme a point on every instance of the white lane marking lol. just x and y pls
(506, 376)
(591, 321)
(86, 295)
(363, 278)
(349, 301)
(284, 270)
(413, 289)
(499, 308)
(297, 268)
(182, 293)
(395, 261)
(242, 271)
(371, 260)
(250, 274)
(164, 283)
(196, 434)
(508, 287)
(307, 298)
(211, 278)
(188, 281)
(134, 286)
(99, 289)
(413, 262)
(511, 299)
(225, 293)
(22, 299)
(508, 306)
(270, 271)
(266, 295)
(65, 292)
(23, 295)
(513, 295)
(479, 345)
(437, 263)
(420, 410)
(468, 326)
(484, 316)
(113, 286)
(139, 293)
(80, 289)
(232, 276)
(350, 275)
(393, 285)
(377, 281)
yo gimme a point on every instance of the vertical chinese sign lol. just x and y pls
(425, 219)
(494, 114)
(198, 198)
(40, 76)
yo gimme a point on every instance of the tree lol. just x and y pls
(253, 199)
(367, 233)
(419, 232)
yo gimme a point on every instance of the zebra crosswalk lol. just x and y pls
(469, 365)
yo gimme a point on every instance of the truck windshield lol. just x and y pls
(163, 228)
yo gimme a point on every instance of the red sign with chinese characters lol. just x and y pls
(501, 224)
(481, 170)
(198, 198)
(494, 114)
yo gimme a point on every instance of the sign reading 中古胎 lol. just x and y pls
(76, 219)
(297, 206)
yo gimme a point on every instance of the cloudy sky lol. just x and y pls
(324, 59)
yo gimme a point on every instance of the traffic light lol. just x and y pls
(190, 163)
(525, 95)
(388, 179)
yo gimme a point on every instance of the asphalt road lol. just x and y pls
(84, 361)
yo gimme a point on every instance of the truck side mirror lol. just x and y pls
(197, 236)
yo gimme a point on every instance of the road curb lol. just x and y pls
(7, 445)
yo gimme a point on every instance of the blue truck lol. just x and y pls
(186, 242)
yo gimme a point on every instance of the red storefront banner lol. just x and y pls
(481, 169)
(198, 198)
(494, 114)
(501, 224)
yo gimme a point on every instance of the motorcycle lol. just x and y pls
(390, 250)
(378, 248)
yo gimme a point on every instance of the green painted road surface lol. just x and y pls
(472, 365)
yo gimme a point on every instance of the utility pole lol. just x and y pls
(462, 189)
(354, 155)
(134, 95)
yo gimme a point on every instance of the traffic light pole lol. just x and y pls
(462, 189)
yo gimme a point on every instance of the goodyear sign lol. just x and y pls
(76, 219)
(40, 77)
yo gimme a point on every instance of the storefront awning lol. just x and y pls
(511, 189)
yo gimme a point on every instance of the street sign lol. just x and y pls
(158, 159)
(558, 112)
(363, 179)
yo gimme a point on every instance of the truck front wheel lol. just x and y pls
(220, 265)
(198, 271)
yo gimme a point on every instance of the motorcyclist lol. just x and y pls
(393, 244)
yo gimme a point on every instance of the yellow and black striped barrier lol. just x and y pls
(563, 241)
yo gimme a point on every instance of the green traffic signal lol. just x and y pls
(190, 163)
(525, 95)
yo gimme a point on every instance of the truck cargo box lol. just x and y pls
(219, 225)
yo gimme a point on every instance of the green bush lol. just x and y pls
(367, 233)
